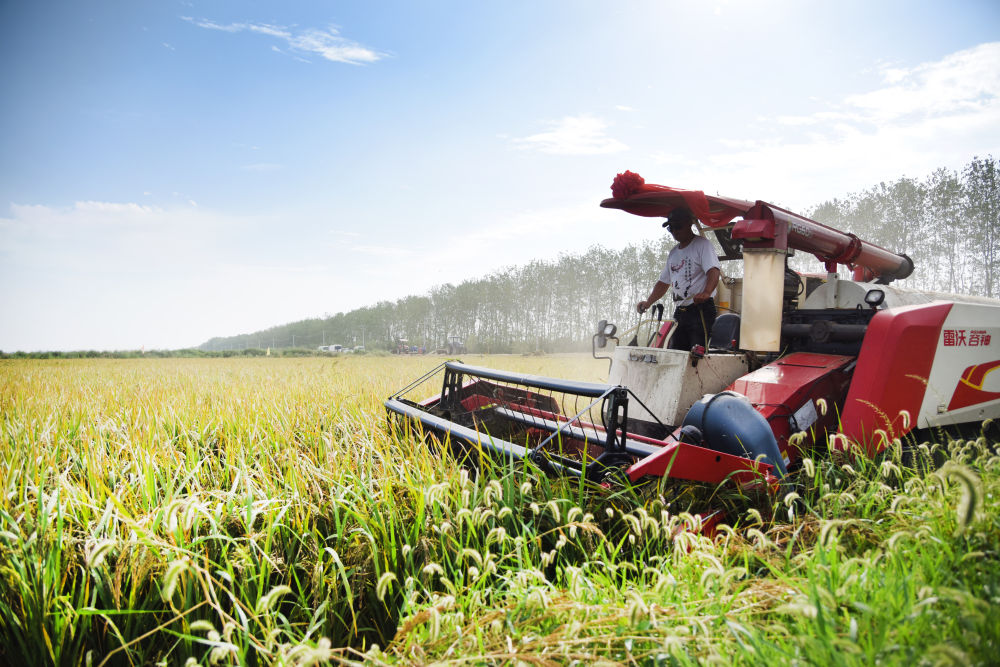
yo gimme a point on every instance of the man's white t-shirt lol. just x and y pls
(687, 267)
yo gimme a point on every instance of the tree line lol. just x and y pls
(948, 223)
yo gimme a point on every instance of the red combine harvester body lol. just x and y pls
(795, 363)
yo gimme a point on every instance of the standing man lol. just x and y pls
(692, 272)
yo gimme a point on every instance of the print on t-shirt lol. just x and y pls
(681, 270)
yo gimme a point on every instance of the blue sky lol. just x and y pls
(172, 171)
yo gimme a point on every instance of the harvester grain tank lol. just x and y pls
(796, 362)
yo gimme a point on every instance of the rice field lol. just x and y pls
(259, 511)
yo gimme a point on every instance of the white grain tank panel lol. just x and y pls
(763, 287)
(667, 383)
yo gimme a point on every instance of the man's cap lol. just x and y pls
(679, 217)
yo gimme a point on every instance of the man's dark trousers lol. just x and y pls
(694, 325)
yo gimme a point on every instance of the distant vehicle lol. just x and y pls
(456, 345)
(359, 348)
(403, 347)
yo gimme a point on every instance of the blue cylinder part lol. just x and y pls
(730, 424)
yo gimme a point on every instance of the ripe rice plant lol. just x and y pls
(224, 511)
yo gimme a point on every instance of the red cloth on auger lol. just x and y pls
(631, 186)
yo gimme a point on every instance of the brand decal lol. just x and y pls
(966, 338)
(801, 229)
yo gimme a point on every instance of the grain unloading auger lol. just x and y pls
(794, 362)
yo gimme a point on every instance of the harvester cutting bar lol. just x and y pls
(572, 427)
(456, 432)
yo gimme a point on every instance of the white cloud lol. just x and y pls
(111, 275)
(574, 135)
(894, 74)
(967, 81)
(95, 234)
(935, 114)
(328, 43)
(961, 83)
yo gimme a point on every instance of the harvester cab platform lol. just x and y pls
(794, 363)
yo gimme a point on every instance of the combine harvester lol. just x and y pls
(796, 363)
